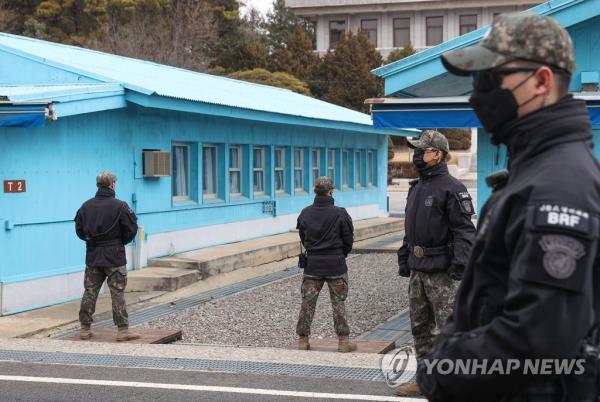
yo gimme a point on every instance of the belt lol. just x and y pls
(331, 251)
(420, 251)
(104, 243)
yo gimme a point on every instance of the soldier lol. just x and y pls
(528, 287)
(106, 225)
(327, 233)
(437, 242)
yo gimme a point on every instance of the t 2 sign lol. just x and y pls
(15, 186)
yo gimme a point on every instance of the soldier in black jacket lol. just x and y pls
(437, 242)
(327, 233)
(106, 225)
(528, 290)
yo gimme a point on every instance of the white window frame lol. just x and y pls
(357, 165)
(299, 167)
(216, 173)
(186, 147)
(331, 165)
(236, 170)
(280, 169)
(315, 168)
(261, 169)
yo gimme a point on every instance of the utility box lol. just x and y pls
(157, 163)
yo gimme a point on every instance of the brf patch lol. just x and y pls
(465, 203)
(554, 216)
(429, 201)
(560, 255)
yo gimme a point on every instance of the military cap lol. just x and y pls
(430, 139)
(323, 184)
(516, 36)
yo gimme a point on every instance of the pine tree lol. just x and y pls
(297, 57)
(399, 54)
(280, 22)
(277, 79)
(345, 76)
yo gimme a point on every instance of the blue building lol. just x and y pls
(423, 94)
(202, 160)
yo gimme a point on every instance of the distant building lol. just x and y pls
(392, 24)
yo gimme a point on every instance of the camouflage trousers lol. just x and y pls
(116, 278)
(431, 301)
(338, 291)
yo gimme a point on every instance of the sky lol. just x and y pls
(261, 5)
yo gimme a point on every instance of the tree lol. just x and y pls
(345, 77)
(297, 57)
(277, 79)
(399, 54)
(280, 22)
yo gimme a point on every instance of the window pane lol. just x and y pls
(259, 185)
(401, 22)
(435, 31)
(357, 162)
(209, 174)
(315, 158)
(298, 179)
(180, 178)
(370, 28)
(468, 23)
(279, 156)
(346, 167)
(258, 158)
(235, 182)
(234, 162)
(298, 158)
(401, 37)
(336, 30)
(370, 168)
(279, 180)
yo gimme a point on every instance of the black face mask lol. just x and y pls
(496, 109)
(418, 161)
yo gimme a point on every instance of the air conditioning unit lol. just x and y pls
(157, 164)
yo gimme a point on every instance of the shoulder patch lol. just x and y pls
(559, 217)
(560, 255)
(465, 203)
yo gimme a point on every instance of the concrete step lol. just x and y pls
(161, 279)
(169, 273)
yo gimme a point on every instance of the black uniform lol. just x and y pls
(106, 225)
(527, 290)
(327, 233)
(438, 219)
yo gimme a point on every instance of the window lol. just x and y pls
(435, 30)
(369, 27)
(357, 169)
(370, 168)
(181, 172)
(259, 170)
(331, 165)
(336, 30)
(345, 169)
(401, 32)
(235, 170)
(316, 164)
(280, 169)
(299, 169)
(209, 171)
(467, 23)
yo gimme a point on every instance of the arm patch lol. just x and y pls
(558, 217)
(465, 203)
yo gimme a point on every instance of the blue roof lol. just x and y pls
(59, 92)
(155, 79)
(426, 64)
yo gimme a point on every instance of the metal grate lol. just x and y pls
(210, 365)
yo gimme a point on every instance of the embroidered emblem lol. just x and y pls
(429, 201)
(560, 255)
(467, 207)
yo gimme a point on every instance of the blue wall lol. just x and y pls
(60, 162)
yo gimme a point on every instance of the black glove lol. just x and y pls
(403, 270)
(456, 272)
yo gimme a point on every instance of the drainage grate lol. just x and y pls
(152, 313)
(222, 366)
(397, 330)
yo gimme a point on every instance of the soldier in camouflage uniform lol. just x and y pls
(437, 242)
(106, 225)
(327, 234)
(531, 280)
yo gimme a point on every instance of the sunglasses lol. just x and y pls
(488, 80)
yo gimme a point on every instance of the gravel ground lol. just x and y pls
(266, 316)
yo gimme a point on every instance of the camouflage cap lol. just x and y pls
(430, 139)
(516, 36)
(323, 184)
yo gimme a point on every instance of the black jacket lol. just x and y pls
(527, 290)
(438, 215)
(106, 225)
(327, 233)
